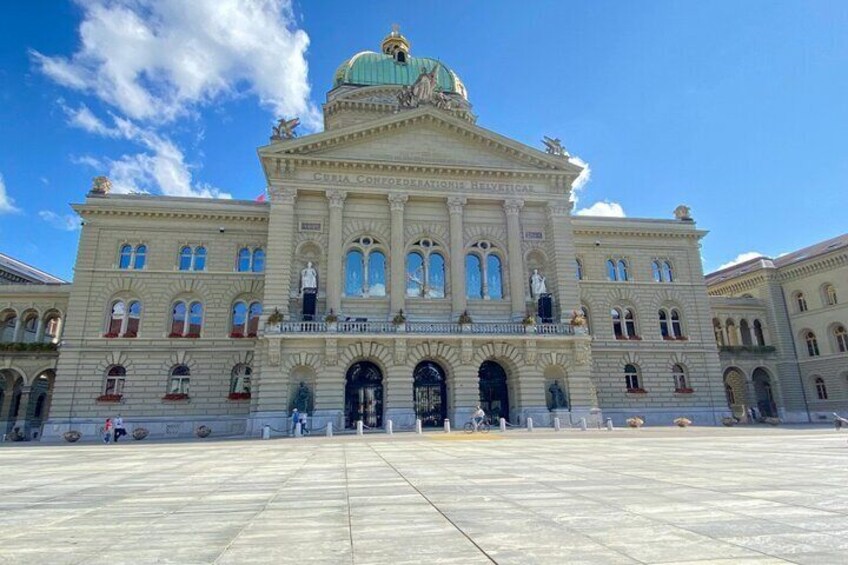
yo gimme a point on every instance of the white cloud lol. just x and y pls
(583, 177)
(7, 204)
(741, 258)
(67, 222)
(157, 60)
(605, 209)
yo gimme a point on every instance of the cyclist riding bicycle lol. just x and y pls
(478, 417)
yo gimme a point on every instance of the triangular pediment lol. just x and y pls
(425, 136)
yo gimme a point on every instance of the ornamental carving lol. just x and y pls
(331, 352)
(683, 213)
(456, 204)
(424, 91)
(284, 129)
(336, 198)
(397, 202)
(274, 353)
(560, 209)
(582, 352)
(400, 351)
(513, 207)
(553, 146)
(101, 185)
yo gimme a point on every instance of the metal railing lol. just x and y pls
(450, 328)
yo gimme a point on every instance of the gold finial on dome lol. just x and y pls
(396, 45)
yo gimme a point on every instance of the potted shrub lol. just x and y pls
(399, 319)
(203, 431)
(635, 422)
(139, 434)
(275, 319)
(529, 323)
(332, 321)
(465, 321)
(682, 422)
(72, 436)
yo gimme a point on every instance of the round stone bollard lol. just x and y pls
(557, 425)
(359, 427)
(583, 425)
(503, 424)
(447, 426)
(266, 432)
(390, 427)
(609, 424)
(329, 429)
(529, 424)
(298, 430)
(418, 426)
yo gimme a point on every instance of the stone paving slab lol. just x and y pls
(670, 496)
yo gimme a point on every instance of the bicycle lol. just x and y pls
(483, 427)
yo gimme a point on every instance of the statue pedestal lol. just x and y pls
(564, 415)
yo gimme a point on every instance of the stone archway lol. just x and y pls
(429, 393)
(764, 392)
(735, 392)
(38, 408)
(364, 395)
(494, 390)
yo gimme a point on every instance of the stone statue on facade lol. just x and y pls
(101, 185)
(578, 319)
(683, 213)
(537, 284)
(553, 146)
(302, 398)
(557, 396)
(424, 91)
(308, 278)
(285, 129)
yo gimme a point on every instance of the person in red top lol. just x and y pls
(107, 430)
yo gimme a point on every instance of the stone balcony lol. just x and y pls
(427, 328)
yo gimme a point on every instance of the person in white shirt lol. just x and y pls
(120, 430)
(478, 417)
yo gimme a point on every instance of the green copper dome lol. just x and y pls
(395, 66)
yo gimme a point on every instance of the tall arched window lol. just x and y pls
(365, 268)
(821, 388)
(473, 276)
(585, 312)
(116, 319)
(253, 316)
(186, 256)
(758, 333)
(624, 323)
(140, 257)
(578, 269)
(676, 324)
(664, 327)
(719, 334)
(240, 380)
(631, 379)
(179, 381)
(8, 324)
(617, 326)
(243, 262)
(732, 336)
(30, 327)
(812, 344)
(841, 337)
(130, 258)
(671, 326)
(133, 319)
(490, 283)
(250, 260)
(124, 319)
(622, 270)
(800, 302)
(829, 295)
(745, 332)
(115, 379)
(678, 373)
(125, 259)
(612, 274)
(258, 265)
(656, 271)
(192, 259)
(630, 323)
(425, 270)
(52, 327)
(245, 319)
(667, 272)
(186, 319)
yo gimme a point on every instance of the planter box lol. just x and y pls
(110, 398)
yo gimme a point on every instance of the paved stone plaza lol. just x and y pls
(753, 495)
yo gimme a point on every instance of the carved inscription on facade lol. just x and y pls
(380, 181)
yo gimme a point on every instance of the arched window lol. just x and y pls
(656, 271)
(243, 263)
(195, 319)
(812, 344)
(676, 324)
(125, 259)
(678, 373)
(52, 327)
(425, 270)
(612, 274)
(664, 327)
(719, 334)
(841, 337)
(758, 333)
(829, 295)
(186, 319)
(732, 336)
(622, 270)
(116, 319)
(800, 302)
(668, 274)
(365, 269)
(115, 378)
(745, 332)
(631, 378)
(484, 275)
(240, 379)
(8, 324)
(200, 259)
(239, 319)
(124, 319)
(254, 313)
(617, 326)
(630, 323)
(578, 269)
(821, 388)
(30, 328)
(133, 319)
(140, 257)
(585, 312)
(178, 319)
(186, 256)
(179, 381)
(258, 265)
(473, 276)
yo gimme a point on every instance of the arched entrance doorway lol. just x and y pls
(765, 396)
(364, 395)
(39, 402)
(494, 392)
(734, 390)
(429, 393)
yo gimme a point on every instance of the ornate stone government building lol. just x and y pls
(407, 264)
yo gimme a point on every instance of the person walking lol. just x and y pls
(120, 430)
(295, 418)
(303, 427)
(107, 430)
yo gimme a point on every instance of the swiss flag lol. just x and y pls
(261, 198)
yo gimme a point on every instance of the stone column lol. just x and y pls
(512, 208)
(336, 200)
(279, 252)
(397, 286)
(456, 204)
(564, 273)
(23, 410)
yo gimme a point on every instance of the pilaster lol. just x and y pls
(456, 205)
(512, 209)
(397, 286)
(559, 226)
(281, 225)
(335, 199)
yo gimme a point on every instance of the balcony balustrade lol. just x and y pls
(449, 328)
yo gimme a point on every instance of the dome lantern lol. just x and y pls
(396, 45)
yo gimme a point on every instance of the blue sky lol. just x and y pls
(738, 109)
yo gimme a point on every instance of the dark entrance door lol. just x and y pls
(364, 395)
(429, 394)
(765, 396)
(494, 394)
